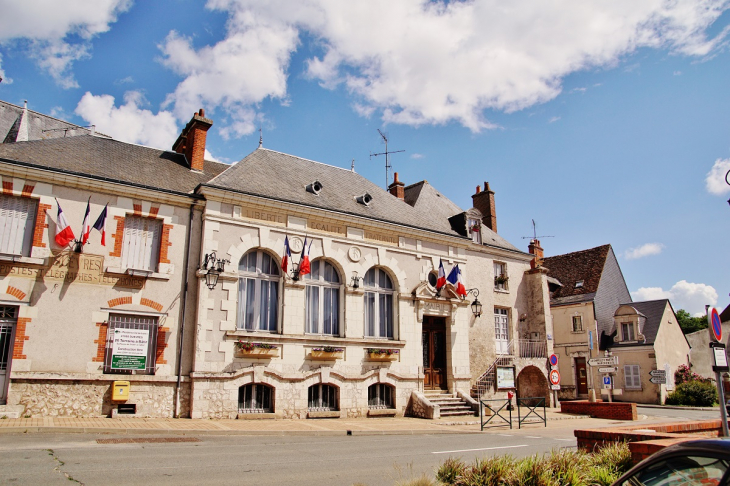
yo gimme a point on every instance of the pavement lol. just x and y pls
(183, 426)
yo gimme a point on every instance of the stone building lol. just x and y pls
(192, 274)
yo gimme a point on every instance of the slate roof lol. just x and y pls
(586, 265)
(111, 160)
(40, 126)
(725, 314)
(284, 177)
(653, 310)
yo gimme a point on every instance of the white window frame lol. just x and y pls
(129, 321)
(630, 327)
(317, 284)
(501, 323)
(141, 244)
(632, 377)
(579, 320)
(257, 278)
(378, 294)
(17, 224)
(476, 236)
(500, 268)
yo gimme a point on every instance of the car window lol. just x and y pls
(681, 471)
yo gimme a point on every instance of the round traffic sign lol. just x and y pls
(553, 360)
(715, 326)
(554, 377)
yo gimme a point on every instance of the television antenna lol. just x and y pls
(534, 233)
(387, 159)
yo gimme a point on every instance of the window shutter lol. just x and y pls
(141, 243)
(17, 217)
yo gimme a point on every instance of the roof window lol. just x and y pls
(315, 187)
(579, 284)
(364, 199)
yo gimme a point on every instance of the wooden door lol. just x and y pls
(434, 353)
(581, 376)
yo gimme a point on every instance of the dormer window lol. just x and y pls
(475, 230)
(315, 187)
(364, 199)
(579, 284)
(627, 331)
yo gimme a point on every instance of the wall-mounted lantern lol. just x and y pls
(213, 268)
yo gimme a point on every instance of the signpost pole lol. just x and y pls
(723, 409)
(719, 358)
(610, 390)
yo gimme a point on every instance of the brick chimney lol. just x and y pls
(191, 141)
(397, 188)
(484, 202)
(536, 249)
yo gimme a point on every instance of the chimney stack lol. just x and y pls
(397, 188)
(191, 141)
(484, 202)
(536, 249)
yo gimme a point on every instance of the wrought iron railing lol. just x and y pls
(532, 349)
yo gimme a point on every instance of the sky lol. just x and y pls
(603, 121)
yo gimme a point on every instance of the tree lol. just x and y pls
(690, 324)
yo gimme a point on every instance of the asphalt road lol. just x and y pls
(107, 459)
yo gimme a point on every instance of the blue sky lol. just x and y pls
(606, 122)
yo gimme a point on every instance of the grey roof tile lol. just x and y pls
(653, 310)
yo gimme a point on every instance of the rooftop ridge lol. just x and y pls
(44, 115)
(307, 160)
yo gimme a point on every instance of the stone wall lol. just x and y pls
(421, 407)
(89, 398)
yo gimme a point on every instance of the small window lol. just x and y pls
(315, 187)
(579, 284)
(500, 276)
(381, 395)
(577, 323)
(433, 279)
(684, 470)
(365, 199)
(475, 230)
(131, 345)
(627, 331)
(322, 398)
(141, 247)
(632, 377)
(17, 221)
(255, 398)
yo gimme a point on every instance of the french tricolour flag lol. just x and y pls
(441, 281)
(64, 233)
(287, 255)
(304, 267)
(85, 228)
(454, 279)
(100, 225)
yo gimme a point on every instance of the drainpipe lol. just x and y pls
(183, 303)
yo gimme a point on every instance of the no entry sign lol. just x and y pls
(715, 325)
(554, 377)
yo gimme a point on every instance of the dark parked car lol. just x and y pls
(701, 462)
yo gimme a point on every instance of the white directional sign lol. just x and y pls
(607, 361)
(612, 369)
(660, 373)
(658, 380)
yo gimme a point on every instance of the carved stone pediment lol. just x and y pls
(428, 303)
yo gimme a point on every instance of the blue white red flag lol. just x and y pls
(85, 228)
(455, 279)
(304, 267)
(441, 281)
(64, 233)
(287, 255)
(100, 225)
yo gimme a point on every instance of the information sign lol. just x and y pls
(612, 369)
(129, 349)
(607, 382)
(659, 379)
(554, 377)
(555, 387)
(505, 377)
(607, 361)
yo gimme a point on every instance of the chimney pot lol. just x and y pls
(201, 112)
(536, 249)
(479, 189)
(397, 188)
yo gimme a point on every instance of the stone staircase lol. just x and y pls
(450, 405)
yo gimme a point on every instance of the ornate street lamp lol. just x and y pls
(213, 268)
(476, 306)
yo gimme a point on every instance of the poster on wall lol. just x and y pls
(505, 377)
(129, 349)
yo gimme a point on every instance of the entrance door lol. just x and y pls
(581, 376)
(8, 317)
(501, 331)
(434, 353)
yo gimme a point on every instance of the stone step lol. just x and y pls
(457, 413)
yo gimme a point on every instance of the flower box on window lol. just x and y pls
(501, 279)
(247, 349)
(327, 353)
(382, 354)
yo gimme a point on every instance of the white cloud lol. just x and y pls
(554, 119)
(427, 62)
(57, 33)
(644, 250)
(691, 297)
(715, 180)
(417, 156)
(129, 122)
(677, 73)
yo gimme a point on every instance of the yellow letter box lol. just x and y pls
(120, 391)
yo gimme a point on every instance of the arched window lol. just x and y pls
(258, 292)
(255, 399)
(380, 395)
(322, 398)
(378, 304)
(323, 299)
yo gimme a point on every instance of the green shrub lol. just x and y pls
(450, 470)
(693, 393)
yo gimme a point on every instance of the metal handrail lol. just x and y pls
(532, 349)
(486, 377)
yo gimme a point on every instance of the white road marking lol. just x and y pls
(533, 437)
(482, 449)
(569, 440)
(505, 435)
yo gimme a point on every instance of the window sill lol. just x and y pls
(381, 412)
(331, 414)
(123, 271)
(502, 291)
(22, 259)
(273, 337)
(578, 332)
